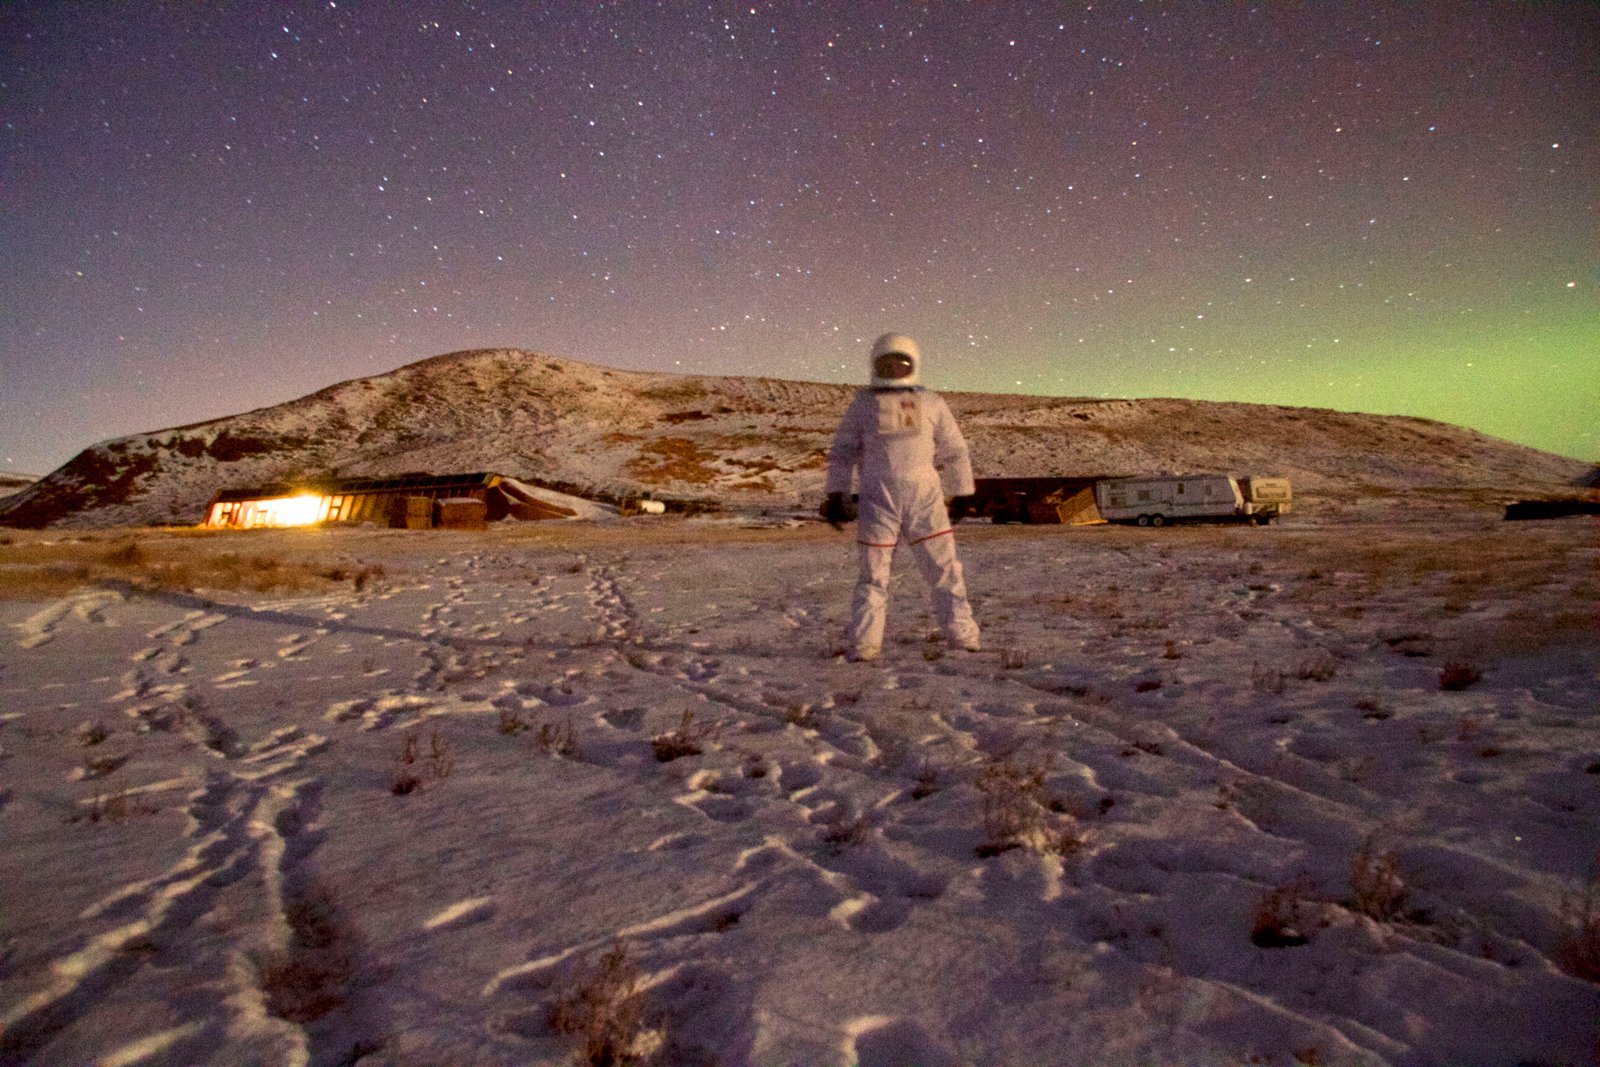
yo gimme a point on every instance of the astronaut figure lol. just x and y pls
(910, 456)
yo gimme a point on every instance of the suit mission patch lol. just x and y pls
(898, 414)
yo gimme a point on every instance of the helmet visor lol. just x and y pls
(892, 366)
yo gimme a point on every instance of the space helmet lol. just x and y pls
(896, 362)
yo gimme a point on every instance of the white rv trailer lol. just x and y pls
(1168, 498)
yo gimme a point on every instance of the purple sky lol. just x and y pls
(1380, 207)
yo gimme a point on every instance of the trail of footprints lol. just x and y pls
(862, 886)
(242, 823)
(792, 757)
(248, 825)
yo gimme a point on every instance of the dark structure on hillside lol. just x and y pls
(1068, 500)
(410, 501)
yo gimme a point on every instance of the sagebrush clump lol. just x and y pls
(1376, 888)
(603, 1011)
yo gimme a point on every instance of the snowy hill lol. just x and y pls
(736, 441)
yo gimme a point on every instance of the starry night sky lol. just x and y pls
(209, 207)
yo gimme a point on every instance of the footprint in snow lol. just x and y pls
(881, 1041)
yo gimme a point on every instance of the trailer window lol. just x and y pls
(1180, 487)
(1144, 494)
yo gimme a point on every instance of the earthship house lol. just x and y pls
(410, 501)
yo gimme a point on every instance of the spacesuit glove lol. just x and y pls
(833, 510)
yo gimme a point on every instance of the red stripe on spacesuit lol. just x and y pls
(930, 537)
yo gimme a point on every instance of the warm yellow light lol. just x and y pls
(302, 510)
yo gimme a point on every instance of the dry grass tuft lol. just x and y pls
(1278, 922)
(41, 569)
(1454, 677)
(845, 829)
(97, 765)
(604, 1011)
(1316, 669)
(441, 763)
(1017, 813)
(558, 740)
(1011, 810)
(1376, 888)
(684, 741)
(1579, 951)
(1265, 680)
(117, 807)
(405, 781)
(799, 714)
(92, 733)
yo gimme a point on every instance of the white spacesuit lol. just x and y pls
(910, 456)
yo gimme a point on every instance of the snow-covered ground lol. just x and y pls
(402, 825)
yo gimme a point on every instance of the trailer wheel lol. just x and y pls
(1142, 520)
(1158, 520)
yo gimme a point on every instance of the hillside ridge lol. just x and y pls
(734, 441)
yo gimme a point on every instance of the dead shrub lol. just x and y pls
(603, 1011)
(1579, 950)
(1265, 680)
(1373, 710)
(511, 722)
(404, 781)
(117, 807)
(1376, 888)
(1064, 840)
(1013, 815)
(1316, 669)
(126, 554)
(357, 576)
(441, 763)
(98, 766)
(684, 741)
(798, 714)
(92, 733)
(1278, 922)
(844, 830)
(1454, 677)
(558, 740)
